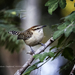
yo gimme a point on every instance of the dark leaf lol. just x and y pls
(31, 68)
(68, 53)
(60, 40)
(70, 42)
(66, 66)
(52, 5)
(74, 29)
(62, 3)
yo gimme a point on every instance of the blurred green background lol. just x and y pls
(20, 15)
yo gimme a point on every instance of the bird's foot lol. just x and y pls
(42, 44)
(32, 51)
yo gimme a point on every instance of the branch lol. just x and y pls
(38, 51)
(73, 70)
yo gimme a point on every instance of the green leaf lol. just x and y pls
(68, 30)
(63, 26)
(1, 32)
(2, 37)
(31, 68)
(43, 56)
(68, 53)
(37, 56)
(53, 7)
(60, 40)
(50, 54)
(9, 21)
(17, 41)
(58, 33)
(14, 38)
(10, 38)
(70, 17)
(62, 3)
(50, 2)
(6, 35)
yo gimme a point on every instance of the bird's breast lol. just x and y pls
(36, 38)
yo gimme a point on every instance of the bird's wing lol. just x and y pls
(27, 34)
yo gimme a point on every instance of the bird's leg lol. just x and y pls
(32, 50)
(42, 44)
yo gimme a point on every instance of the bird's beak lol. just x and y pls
(43, 26)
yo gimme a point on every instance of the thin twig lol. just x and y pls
(27, 64)
(73, 70)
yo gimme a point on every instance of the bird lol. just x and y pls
(32, 36)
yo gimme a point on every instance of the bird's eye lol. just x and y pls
(36, 28)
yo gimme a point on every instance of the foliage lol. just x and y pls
(53, 5)
(67, 65)
(68, 53)
(66, 27)
(63, 33)
(31, 68)
(9, 21)
(41, 57)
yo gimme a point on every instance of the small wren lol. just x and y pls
(32, 36)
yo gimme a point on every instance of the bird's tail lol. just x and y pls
(14, 32)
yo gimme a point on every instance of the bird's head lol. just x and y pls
(37, 27)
